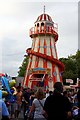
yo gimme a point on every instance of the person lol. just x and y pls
(47, 93)
(57, 106)
(77, 117)
(18, 103)
(25, 101)
(32, 96)
(78, 97)
(50, 92)
(37, 104)
(12, 102)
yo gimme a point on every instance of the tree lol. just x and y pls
(72, 67)
(78, 62)
(22, 68)
(77, 59)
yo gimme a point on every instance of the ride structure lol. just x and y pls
(6, 85)
(44, 68)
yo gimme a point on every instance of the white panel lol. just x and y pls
(57, 71)
(53, 48)
(33, 61)
(48, 45)
(29, 84)
(40, 64)
(46, 17)
(41, 45)
(43, 17)
(33, 43)
(51, 86)
(36, 44)
(49, 65)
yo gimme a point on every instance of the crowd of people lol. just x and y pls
(43, 105)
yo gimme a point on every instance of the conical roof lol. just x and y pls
(44, 17)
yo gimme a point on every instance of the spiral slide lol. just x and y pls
(47, 57)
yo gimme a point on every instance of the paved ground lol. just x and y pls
(20, 117)
(17, 119)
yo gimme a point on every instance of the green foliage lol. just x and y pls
(78, 62)
(22, 68)
(72, 67)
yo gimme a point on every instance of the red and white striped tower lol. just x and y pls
(44, 68)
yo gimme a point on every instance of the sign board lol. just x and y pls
(69, 81)
(39, 71)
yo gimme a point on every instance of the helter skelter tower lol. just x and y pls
(44, 68)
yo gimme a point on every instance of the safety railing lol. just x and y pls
(43, 29)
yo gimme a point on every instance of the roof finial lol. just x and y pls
(44, 9)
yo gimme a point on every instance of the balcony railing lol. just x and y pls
(43, 29)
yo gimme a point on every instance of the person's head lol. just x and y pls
(50, 93)
(58, 86)
(65, 93)
(18, 90)
(24, 88)
(47, 91)
(40, 94)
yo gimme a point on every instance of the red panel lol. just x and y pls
(48, 18)
(44, 46)
(40, 17)
(45, 17)
(46, 81)
(27, 77)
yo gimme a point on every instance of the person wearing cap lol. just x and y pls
(57, 106)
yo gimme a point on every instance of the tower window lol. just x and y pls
(42, 24)
(37, 24)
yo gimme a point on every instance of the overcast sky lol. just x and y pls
(16, 18)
